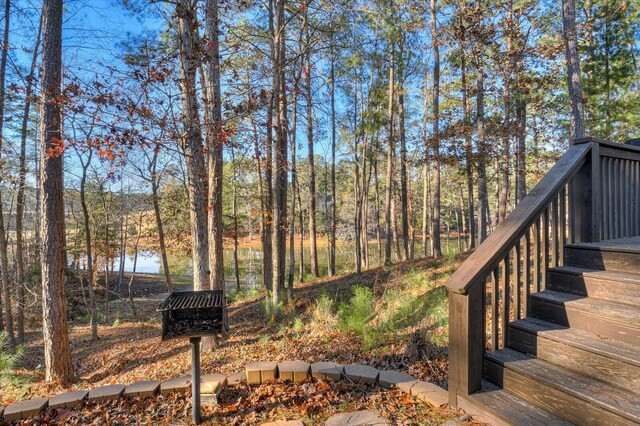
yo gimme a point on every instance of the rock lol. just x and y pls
(362, 373)
(24, 409)
(295, 371)
(68, 399)
(236, 378)
(430, 393)
(327, 371)
(176, 384)
(145, 388)
(390, 379)
(261, 372)
(358, 418)
(105, 393)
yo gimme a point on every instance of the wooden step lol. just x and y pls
(498, 407)
(606, 255)
(571, 396)
(606, 320)
(622, 287)
(609, 361)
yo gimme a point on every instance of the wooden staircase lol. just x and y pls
(547, 330)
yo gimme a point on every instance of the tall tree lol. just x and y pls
(390, 157)
(435, 238)
(574, 78)
(216, 139)
(192, 142)
(57, 355)
(4, 255)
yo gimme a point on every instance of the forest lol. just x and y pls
(252, 146)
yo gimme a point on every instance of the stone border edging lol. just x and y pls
(255, 373)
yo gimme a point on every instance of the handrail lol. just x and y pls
(591, 194)
(482, 261)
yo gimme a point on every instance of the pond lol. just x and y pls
(249, 261)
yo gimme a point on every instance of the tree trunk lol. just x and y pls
(435, 238)
(483, 193)
(404, 202)
(20, 267)
(216, 137)
(574, 78)
(468, 155)
(280, 158)
(192, 144)
(87, 230)
(155, 183)
(390, 159)
(4, 257)
(312, 172)
(57, 355)
(334, 201)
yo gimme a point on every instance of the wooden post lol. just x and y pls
(583, 228)
(466, 342)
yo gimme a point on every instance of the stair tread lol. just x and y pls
(600, 274)
(513, 409)
(585, 340)
(626, 404)
(628, 314)
(624, 245)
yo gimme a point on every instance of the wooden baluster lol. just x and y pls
(608, 207)
(536, 255)
(613, 177)
(554, 232)
(545, 249)
(636, 198)
(506, 296)
(563, 224)
(628, 202)
(517, 279)
(527, 272)
(495, 308)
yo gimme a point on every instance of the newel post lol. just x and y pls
(584, 197)
(466, 342)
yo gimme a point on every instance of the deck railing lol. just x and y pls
(592, 193)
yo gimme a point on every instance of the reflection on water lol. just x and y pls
(249, 261)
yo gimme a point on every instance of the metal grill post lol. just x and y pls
(195, 378)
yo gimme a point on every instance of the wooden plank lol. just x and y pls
(604, 319)
(545, 249)
(505, 297)
(495, 309)
(482, 261)
(527, 273)
(545, 385)
(604, 367)
(536, 253)
(555, 240)
(604, 258)
(504, 408)
(613, 286)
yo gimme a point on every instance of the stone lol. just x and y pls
(358, 418)
(209, 392)
(212, 378)
(24, 409)
(236, 378)
(327, 371)
(295, 371)
(261, 372)
(68, 399)
(406, 386)
(284, 423)
(362, 373)
(177, 384)
(145, 388)
(430, 393)
(105, 393)
(390, 379)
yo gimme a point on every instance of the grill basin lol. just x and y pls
(192, 314)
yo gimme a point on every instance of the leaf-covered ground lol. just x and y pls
(407, 297)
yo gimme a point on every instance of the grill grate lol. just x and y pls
(191, 301)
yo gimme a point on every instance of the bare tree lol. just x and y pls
(436, 250)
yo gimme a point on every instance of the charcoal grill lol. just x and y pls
(193, 315)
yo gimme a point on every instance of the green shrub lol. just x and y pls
(9, 361)
(271, 312)
(355, 314)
